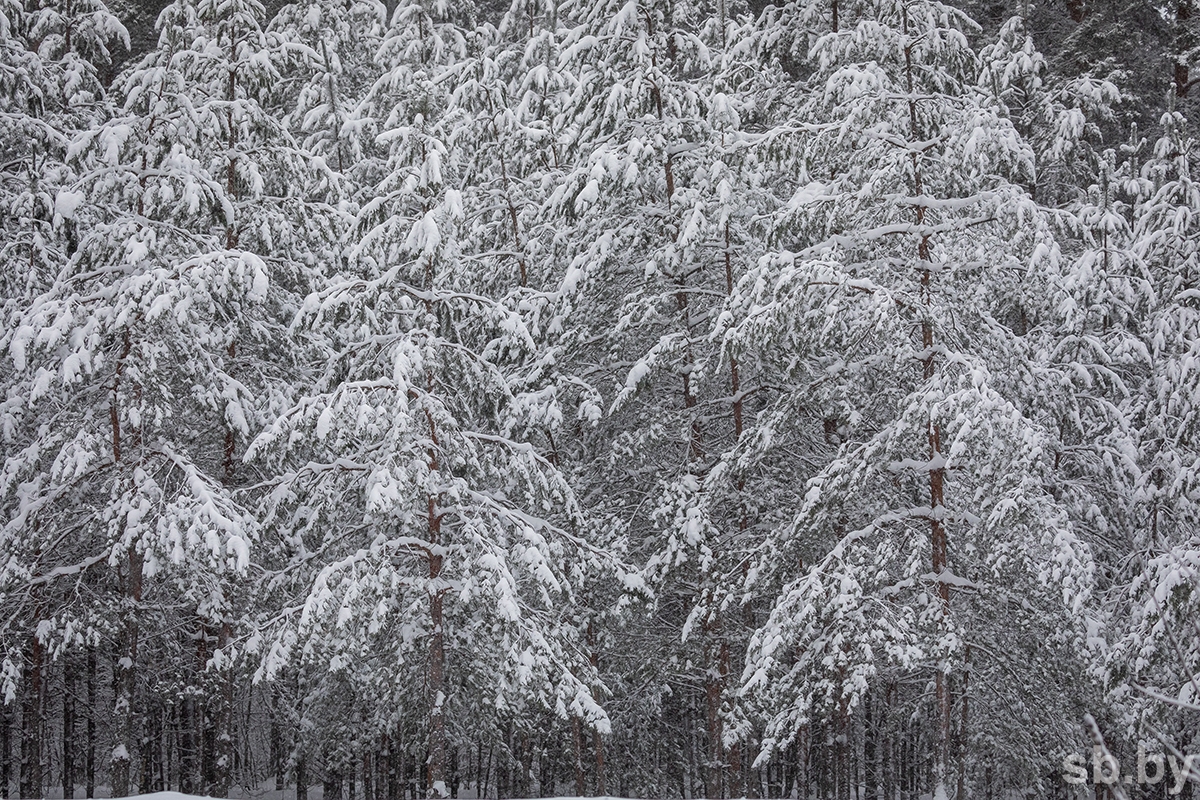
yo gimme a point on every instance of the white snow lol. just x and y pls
(67, 202)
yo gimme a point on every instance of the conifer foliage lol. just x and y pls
(667, 398)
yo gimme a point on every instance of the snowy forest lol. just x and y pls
(647, 398)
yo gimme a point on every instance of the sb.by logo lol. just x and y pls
(1151, 769)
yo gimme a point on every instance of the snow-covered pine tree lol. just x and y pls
(53, 60)
(156, 346)
(974, 327)
(330, 50)
(1153, 659)
(1060, 119)
(514, 89)
(655, 207)
(932, 539)
(425, 529)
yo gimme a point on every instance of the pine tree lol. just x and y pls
(889, 311)
(1151, 665)
(437, 534)
(51, 62)
(157, 331)
(651, 195)
(330, 50)
(51, 77)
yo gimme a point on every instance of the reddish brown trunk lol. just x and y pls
(714, 680)
(125, 733)
(735, 378)
(597, 741)
(68, 730)
(961, 793)
(436, 765)
(670, 175)
(230, 436)
(31, 721)
(1183, 45)
(90, 765)
(601, 781)
(734, 758)
(695, 447)
(114, 415)
(437, 725)
(223, 765)
(231, 236)
(937, 532)
(577, 732)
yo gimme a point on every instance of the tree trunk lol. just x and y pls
(889, 746)
(31, 722)
(436, 766)
(1184, 43)
(187, 745)
(301, 777)
(525, 785)
(222, 768)
(577, 736)
(734, 755)
(68, 730)
(713, 691)
(961, 793)
(597, 740)
(502, 774)
(487, 769)
(332, 785)
(90, 789)
(276, 743)
(205, 715)
(389, 757)
(753, 774)
(125, 707)
(162, 749)
(937, 529)
(171, 747)
(870, 751)
(5, 749)
(804, 757)
(842, 752)
(147, 748)
(598, 746)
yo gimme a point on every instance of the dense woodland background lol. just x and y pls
(662, 398)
